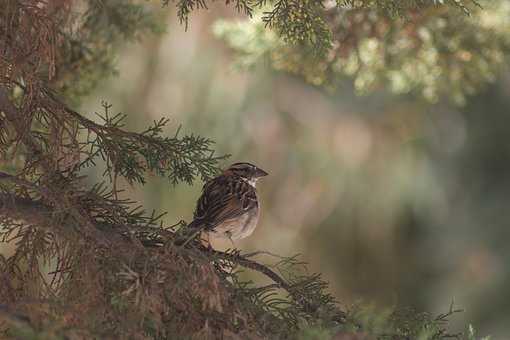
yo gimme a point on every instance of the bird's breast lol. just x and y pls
(239, 227)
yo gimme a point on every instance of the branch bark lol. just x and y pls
(30, 211)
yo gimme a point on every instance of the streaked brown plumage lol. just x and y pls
(229, 207)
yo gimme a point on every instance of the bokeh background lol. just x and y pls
(397, 202)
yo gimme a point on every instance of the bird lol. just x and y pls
(228, 207)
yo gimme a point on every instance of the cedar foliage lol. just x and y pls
(431, 51)
(88, 263)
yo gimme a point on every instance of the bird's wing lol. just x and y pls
(224, 198)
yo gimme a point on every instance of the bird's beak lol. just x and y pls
(260, 173)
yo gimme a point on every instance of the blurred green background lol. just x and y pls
(395, 201)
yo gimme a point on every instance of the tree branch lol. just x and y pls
(28, 210)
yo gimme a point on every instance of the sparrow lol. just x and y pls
(229, 207)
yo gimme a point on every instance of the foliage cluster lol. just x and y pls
(87, 262)
(305, 22)
(434, 51)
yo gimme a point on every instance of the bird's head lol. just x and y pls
(246, 171)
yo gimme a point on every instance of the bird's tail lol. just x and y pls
(190, 232)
